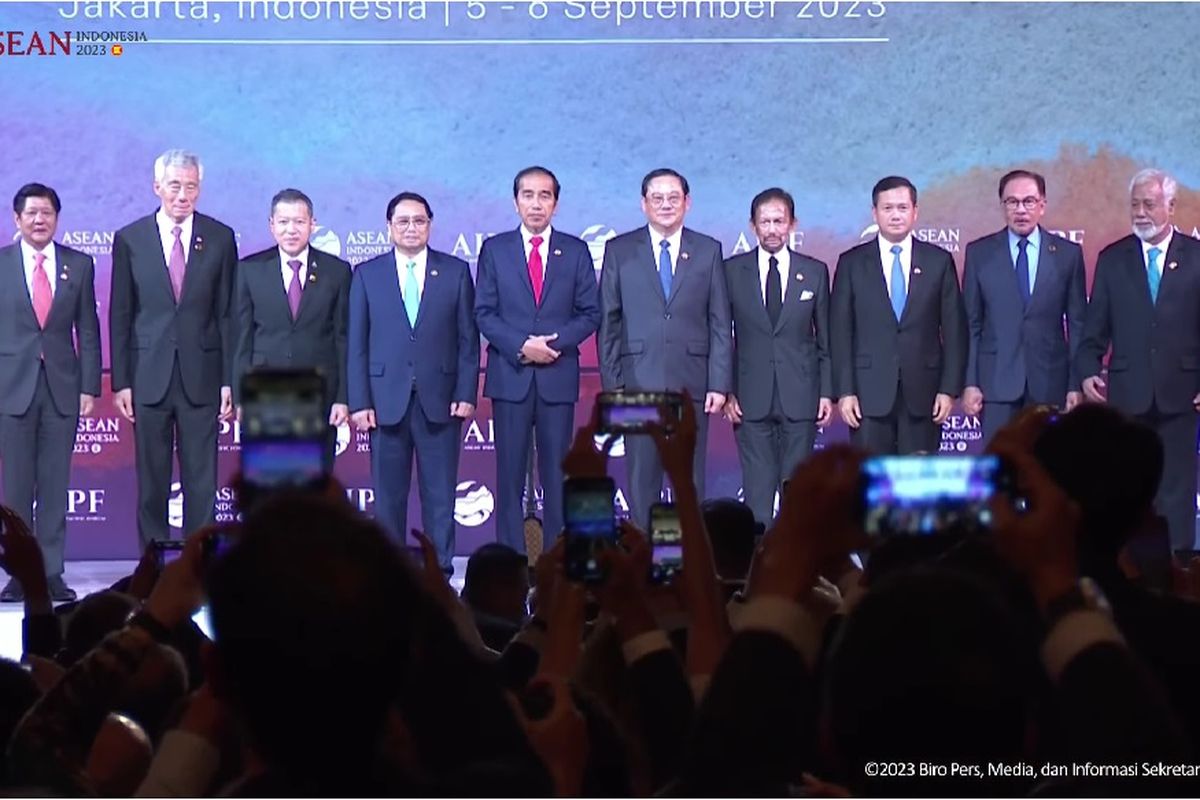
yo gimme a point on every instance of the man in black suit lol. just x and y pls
(780, 302)
(286, 316)
(664, 324)
(48, 301)
(899, 331)
(1018, 285)
(172, 344)
(1145, 297)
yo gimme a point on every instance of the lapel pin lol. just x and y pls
(558, 252)
(1052, 248)
(1173, 265)
(198, 245)
(799, 276)
(433, 274)
(916, 270)
(63, 277)
(312, 277)
(684, 256)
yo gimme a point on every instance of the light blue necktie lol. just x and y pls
(664, 267)
(412, 294)
(1153, 273)
(899, 292)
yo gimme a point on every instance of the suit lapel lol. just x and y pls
(64, 282)
(1046, 268)
(917, 279)
(433, 286)
(753, 286)
(391, 273)
(152, 241)
(309, 288)
(553, 264)
(521, 264)
(1173, 261)
(16, 269)
(874, 265)
(682, 270)
(792, 290)
(196, 257)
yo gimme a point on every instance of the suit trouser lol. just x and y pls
(37, 447)
(437, 446)
(770, 449)
(1176, 499)
(553, 426)
(646, 470)
(158, 429)
(899, 431)
(996, 414)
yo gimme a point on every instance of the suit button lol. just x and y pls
(412, 337)
(666, 316)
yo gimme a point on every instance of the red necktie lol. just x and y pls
(535, 268)
(43, 297)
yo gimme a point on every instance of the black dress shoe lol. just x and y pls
(12, 592)
(59, 591)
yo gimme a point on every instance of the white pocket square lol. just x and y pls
(806, 295)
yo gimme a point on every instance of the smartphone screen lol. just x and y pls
(922, 495)
(666, 542)
(286, 441)
(167, 551)
(634, 412)
(590, 525)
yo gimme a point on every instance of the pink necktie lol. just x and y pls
(295, 288)
(176, 265)
(43, 298)
(535, 268)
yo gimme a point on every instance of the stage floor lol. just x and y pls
(86, 577)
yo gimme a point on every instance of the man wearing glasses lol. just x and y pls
(1018, 285)
(665, 324)
(413, 370)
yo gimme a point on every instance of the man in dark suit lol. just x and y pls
(1145, 297)
(899, 331)
(664, 324)
(286, 316)
(536, 301)
(780, 302)
(172, 343)
(48, 301)
(1018, 285)
(413, 370)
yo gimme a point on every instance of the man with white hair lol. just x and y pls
(1146, 304)
(172, 343)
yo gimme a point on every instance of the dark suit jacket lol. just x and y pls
(1155, 347)
(655, 343)
(267, 335)
(794, 353)
(507, 316)
(1010, 345)
(386, 355)
(926, 352)
(147, 330)
(23, 343)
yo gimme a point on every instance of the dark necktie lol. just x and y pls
(295, 288)
(1023, 270)
(774, 291)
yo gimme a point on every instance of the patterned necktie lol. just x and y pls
(664, 267)
(774, 291)
(295, 288)
(1023, 271)
(177, 264)
(535, 268)
(412, 294)
(43, 296)
(1152, 273)
(899, 290)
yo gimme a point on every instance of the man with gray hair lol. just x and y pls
(172, 343)
(1145, 299)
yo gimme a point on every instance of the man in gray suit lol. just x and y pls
(664, 324)
(47, 301)
(780, 302)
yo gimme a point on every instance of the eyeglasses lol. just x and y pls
(1028, 203)
(420, 223)
(660, 200)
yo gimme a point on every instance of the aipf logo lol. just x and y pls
(35, 43)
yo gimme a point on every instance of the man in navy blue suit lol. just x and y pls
(413, 370)
(536, 301)
(1018, 285)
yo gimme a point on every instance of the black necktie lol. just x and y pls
(774, 291)
(1023, 270)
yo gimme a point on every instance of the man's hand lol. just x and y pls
(943, 404)
(179, 592)
(1095, 390)
(677, 452)
(363, 420)
(851, 413)
(87, 403)
(123, 400)
(733, 409)
(462, 410)
(338, 414)
(21, 556)
(583, 460)
(713, 402)
(1075, 398)
(537, 349)
(972, 400)
(226, 413)
(824, 412)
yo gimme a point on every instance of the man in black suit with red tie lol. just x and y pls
(899, 331)
(1146, 304)
(48, 301)
(172, 344)
(292, 305)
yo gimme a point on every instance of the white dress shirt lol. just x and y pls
(655, 246)
(783, 267)
(1162, 252)
(402, 270)
(543, 248)
(165, 226)
(284, 258)
(49, 265)
(886, 256)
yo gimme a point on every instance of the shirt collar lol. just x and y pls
(885, 247)
(674, 239)
(527, 235)
(1034, 237)
(783, 256)
(419, 259)
(1162, 247)
(166, 224)
(28, 251)
(302, 257)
